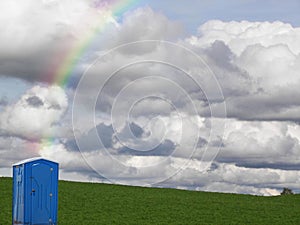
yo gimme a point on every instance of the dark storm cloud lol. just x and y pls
(136, 130)
(166, 148)
(280, 166)
(34, 101)
(106, 134)
(221, 55)
(94, 139)
(202, 142)
(281, 105)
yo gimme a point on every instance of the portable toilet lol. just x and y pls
(35, 184)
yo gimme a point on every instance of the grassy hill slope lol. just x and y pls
(88, 204)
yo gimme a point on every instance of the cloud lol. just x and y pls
(256, 64)
(35, 101)
(37, 36)
(143, 126)
(239, 35)
(36, 115)
(261, 144)
(251, 146)
(223, 177)
(14, 149)
(253, 87)
(147, 24)
(269, 148)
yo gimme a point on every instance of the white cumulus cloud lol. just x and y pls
(36, 114)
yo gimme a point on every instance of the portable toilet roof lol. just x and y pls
(30, 160)
(35, 191)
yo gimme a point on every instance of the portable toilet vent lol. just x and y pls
(35, 183)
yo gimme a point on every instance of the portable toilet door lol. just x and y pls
(35, 192)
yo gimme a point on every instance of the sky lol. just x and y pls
(199, 95)
(194, 13)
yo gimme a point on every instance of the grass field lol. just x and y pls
(88, 204)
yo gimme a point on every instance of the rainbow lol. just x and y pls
(64, 65)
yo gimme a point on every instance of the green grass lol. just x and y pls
(88, 204)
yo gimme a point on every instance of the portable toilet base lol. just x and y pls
(35, 192)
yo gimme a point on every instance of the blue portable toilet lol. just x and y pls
(35, 184)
